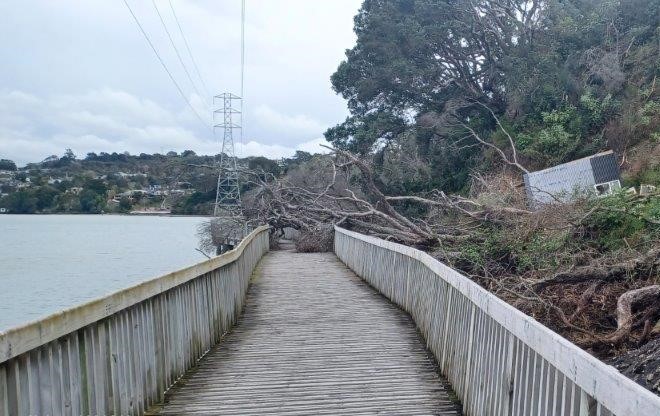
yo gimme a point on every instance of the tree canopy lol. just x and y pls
(564, 78)
(6, 164)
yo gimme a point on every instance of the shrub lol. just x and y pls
(620, 219)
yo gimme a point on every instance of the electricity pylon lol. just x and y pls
(228, 196)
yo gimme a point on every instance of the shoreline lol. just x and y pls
(145, 214)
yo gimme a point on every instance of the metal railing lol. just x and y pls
(498, 360)
(120, 353)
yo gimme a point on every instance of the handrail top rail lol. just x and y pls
(23, 338)
(605, 383)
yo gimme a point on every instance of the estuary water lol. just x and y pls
(52, 262)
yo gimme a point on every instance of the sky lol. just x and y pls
(79, 74)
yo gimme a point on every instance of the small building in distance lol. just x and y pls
(598, 174)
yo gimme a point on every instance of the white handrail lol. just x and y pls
(499, 360)
(118, 354)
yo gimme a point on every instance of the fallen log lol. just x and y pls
(604, 273)
(624, 310)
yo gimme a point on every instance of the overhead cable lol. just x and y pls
(242, 69)
(185, 42)
(176, 50)
(176, 84)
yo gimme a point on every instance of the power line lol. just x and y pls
(185, 41)
(242, 68)
(242, 45)
(176, 50)
(153, 48)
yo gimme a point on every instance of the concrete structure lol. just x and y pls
(313, 340)
(596, 174)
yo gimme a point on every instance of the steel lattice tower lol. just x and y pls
(228, 196)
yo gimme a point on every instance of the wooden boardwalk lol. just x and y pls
(314, 339)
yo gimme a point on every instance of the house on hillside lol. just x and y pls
(598, 174)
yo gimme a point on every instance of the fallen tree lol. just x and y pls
(550, 263)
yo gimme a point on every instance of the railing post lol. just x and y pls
(470, 347)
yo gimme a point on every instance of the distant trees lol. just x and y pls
(91, 202)
(195, 204)
(66, 160)
(21, 202)
(68, 154)
(108, 157)
(93, 196)
(97, 186)
(45, 197)
(92, 184)
(266, 165)
(6, 164)
(125, 204)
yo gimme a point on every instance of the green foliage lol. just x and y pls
(6, 164)
(574, 79)
(648, 111)
(45, 196)
(195, 204)
(538, 251)
(564, 133)
(650, 176)
(21, 202)
(67, 203)
(595, 110)
(522, 252)
(104, 175)
(361, 134)
(620, 220)
(125, 204)
(554, 142)
(262, 164)
(614, 222)
(96, 186)
(91, 202)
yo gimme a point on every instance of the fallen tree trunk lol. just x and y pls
(624, 310)
(604, 273)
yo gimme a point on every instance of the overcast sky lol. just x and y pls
(79, 74)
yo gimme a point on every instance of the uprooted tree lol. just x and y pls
(554, 263)
(450, 101)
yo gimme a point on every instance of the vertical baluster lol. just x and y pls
(46, 391)
(4, 391)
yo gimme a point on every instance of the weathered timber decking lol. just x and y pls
(314, 339)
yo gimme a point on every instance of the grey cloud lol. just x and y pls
(78, 74)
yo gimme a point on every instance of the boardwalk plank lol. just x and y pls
(314, 339)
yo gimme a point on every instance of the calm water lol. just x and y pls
(51, 262)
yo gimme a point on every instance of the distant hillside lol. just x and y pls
(184, 183)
